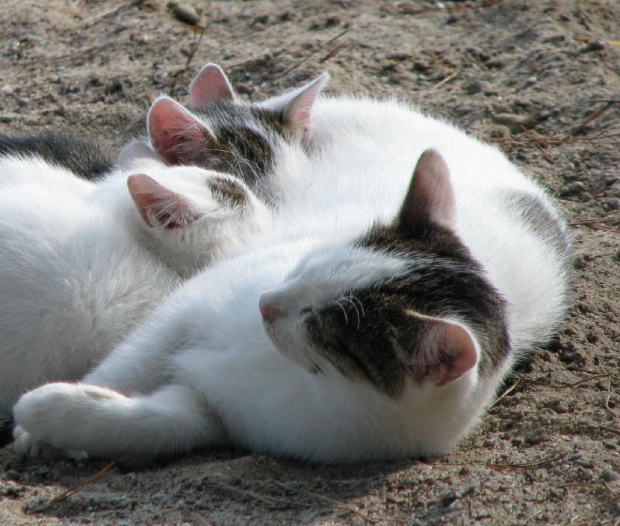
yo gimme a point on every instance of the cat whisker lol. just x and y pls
(350, 300)
(346, 318)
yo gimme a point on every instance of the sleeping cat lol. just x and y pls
(374, 320)
(81, 263)
(262, 143)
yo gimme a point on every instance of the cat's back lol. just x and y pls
(71, 277)
(366, 150)
(82, 158)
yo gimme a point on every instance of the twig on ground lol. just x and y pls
(565, 386)
(406, 10)
(194, 48)
(444, 81)
(610, 430)
(109, 469)
(305, 59)
(614, 498)
(339, 504)
(575, 130)
(81, 52)
(554, 457)
(99, 16)
(333, 52)
(506, 392)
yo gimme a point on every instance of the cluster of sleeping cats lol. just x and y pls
(325, 278)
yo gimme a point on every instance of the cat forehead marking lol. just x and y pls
(330, 272)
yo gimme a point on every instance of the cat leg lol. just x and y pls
(102, 422)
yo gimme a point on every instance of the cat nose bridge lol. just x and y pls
(270, 309)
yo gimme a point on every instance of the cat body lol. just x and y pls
(374, 320)
(83, 158)
(82, 262)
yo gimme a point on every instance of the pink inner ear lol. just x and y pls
(461, 354)
(447, 350)
(298, 111)
(176, 135)
(430, 197)
(159, 206)
(210, 85)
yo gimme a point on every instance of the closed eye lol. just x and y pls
(306, 310)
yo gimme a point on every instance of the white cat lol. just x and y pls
(82, 262)
(374, 320)
(261, 143)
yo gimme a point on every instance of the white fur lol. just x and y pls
(79, 267)
(202, 371)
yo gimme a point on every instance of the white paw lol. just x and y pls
(27, 447)
(43, 427)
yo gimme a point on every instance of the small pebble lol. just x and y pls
(31, 120)
(515, 123)
(473, 87)
(184, 12)
(491, 442)
(610, 476)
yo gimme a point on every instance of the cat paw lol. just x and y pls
(42, 423)
(27, 447)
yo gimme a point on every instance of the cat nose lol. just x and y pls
(269, 310)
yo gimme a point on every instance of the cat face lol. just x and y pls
(227, 135)
(404, 302)
(188, 215)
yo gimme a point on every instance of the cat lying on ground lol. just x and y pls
(81, 263)
(374, 320)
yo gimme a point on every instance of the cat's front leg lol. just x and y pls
(25, 445)
(103, 422)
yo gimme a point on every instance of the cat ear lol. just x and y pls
(134, 153)
(447, 350)
(178, 137)
(430, 198)
(295, 106)
(210, 85)
(160, 206)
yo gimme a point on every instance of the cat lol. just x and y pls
(375, 319)
(261, 143)
(84, 158)
(82, 262)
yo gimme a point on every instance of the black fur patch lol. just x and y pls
(84, 159)
(246, 141)
(535, 214)
(367, 332)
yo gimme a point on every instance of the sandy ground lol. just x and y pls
(548, 452)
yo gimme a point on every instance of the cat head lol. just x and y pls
(188, 215)
(404, 302)
(227, 135)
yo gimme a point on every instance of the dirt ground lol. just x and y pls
(541, 79)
